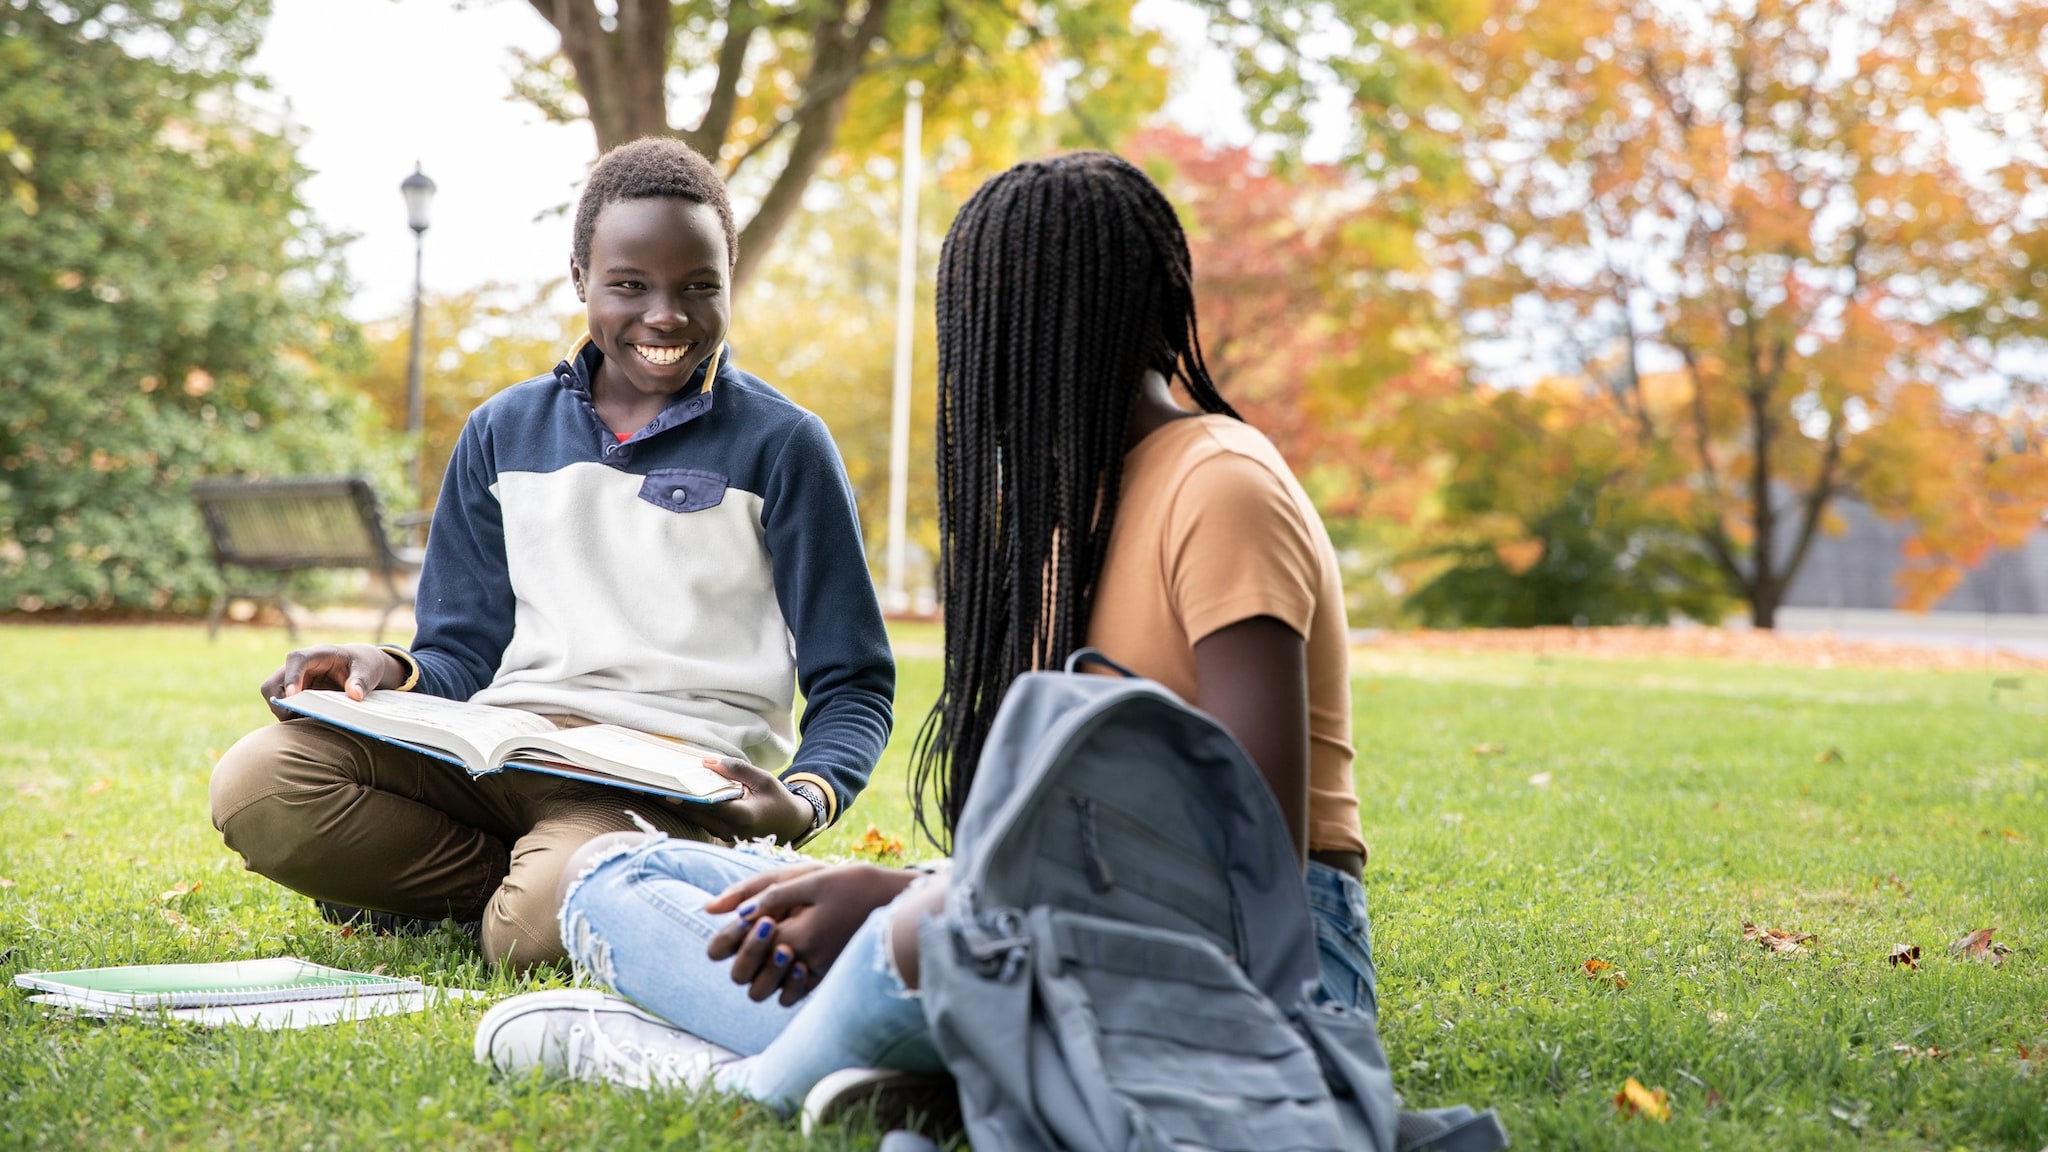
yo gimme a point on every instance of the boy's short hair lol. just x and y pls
(649, 168)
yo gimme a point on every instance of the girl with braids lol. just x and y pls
(1080, 503)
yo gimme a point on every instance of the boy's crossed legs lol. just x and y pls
(352, 820)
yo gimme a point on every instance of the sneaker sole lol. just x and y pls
(581, 999)
(920, 1102)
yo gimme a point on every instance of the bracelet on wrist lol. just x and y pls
(405, 660)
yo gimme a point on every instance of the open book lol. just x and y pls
(151, 986)
(483, 739)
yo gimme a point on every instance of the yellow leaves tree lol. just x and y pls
(473, 345)
(819, 324)
(1809, 211)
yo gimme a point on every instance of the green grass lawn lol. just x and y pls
(1677, 801)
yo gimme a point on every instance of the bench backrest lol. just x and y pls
(280, 525)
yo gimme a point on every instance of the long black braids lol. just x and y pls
(1061, 282)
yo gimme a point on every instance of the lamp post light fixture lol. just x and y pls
(419, 197)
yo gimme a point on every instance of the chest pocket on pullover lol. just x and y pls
(683, 489)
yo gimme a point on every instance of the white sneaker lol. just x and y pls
(922, 1102)
(584, 1034)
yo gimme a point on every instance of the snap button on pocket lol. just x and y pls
(683, 489)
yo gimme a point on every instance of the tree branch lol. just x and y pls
(709, 135)
(837, 61)
(1817, 500)
(832, 92)
(1712, 530)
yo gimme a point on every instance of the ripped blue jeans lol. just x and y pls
(634, 923)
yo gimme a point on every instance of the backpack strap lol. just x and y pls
(1085, 656)
(1454, 1129)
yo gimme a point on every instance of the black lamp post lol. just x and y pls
(419, 196)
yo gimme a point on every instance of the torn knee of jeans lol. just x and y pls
(893, 982)
(589, 953)
(613, 851)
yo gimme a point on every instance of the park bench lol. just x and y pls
(269, 529)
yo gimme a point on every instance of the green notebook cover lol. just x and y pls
(200, 985)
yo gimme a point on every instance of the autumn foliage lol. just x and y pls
(1775, 237)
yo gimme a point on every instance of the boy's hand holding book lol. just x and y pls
(356, 669)
(768, 808)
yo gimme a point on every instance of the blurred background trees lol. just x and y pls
(1583, 313)
(167, 307)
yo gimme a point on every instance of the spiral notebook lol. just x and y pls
(153, 986)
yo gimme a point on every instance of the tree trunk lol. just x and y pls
(622, 74)
(1763, 606)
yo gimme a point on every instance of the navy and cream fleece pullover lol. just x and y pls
(683, 582)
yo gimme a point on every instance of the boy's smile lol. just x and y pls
(656, 297)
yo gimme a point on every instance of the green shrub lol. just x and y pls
(167, 308)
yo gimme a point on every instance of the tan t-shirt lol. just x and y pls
(1212, 529)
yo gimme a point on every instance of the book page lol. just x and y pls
(630, 755)
(468, 730)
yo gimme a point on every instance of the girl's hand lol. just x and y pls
(794, 923)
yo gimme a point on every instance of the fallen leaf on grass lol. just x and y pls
(5, 882)
(1540, 780)
(1831, 756)
(177, 890)
(97, 787)
(2009, 834)
(1978, 947)
(1649, 1103)
(878, 847)
(1488, 749)
(1775, 939)
(378, 970)
(1907, 954)
(1601, 971)
(347, 930)
(173, 917)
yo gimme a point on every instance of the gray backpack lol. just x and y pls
(1126, 959)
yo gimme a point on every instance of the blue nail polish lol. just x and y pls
(746, 911)
(762, 930)
(783, 956)
(799, 971)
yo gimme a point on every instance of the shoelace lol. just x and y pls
(625, 1062)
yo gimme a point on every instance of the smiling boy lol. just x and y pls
(644, 536)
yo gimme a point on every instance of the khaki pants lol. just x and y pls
(352, 820)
